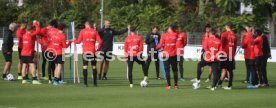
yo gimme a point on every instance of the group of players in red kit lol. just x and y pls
(218, 52)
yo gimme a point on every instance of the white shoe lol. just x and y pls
(213, 89)
(50, 82)
(196, 84)
(227, 88)
(193, 80)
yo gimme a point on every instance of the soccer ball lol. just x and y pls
(144, 83)
(10, 77)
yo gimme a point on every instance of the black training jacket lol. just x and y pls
(150, 41)
(7, 41)
(107, 35)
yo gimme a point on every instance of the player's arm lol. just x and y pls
(99, 40)
(257, 40)
(79, 40)
(244, 42)
(37, 29)
(19, 33)
(115, 32)
(223, 40)
(64, 45)
(184, 39)
(162, 41)
(141, 46)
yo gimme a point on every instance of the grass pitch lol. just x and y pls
(115, 92)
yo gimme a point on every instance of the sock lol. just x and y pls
(19, 74)
(25, 78)
(220, 82)
(104, 75)
(85, 76)
(145, 77)
(209, 77)
(34, 78)
(56, 79)
(95, 76)
(4, 75)
(50, 77)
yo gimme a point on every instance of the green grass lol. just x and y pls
(115, 93)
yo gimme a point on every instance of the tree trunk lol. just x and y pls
(272, 32)
(201, 8)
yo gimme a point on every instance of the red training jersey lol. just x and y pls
(58, 43)
(181, 43)
(29, 41)
(89, 36)
(229, 44)
(19, 34)
(258, 46)
(248, 46)
(205, 37)
(213, 47)
(133, 45)
(44, 39)
(168, 42)
(51, 32)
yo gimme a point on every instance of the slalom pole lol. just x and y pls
(37, 58)
(128, 33)
(70, 52)
(161, 60)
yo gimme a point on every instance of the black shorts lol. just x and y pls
(86, 58)
(19, 53)
(27, 59)
(229, 65)
(48, 56)
(59, 59)
(106, 56)
(8, 57)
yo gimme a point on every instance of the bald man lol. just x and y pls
(107, 34)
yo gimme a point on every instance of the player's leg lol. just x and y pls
(167, 69)
(252, 74)
(247, 64)
(8, 63)
(259, 70)
(44, 62)
(57, 74)
(157, 66)
(84, 71)
(19, 65)
(58, 67)
(147, 64)
(214, 67)
(24, 66)
(209, 74)
(106, 68)
(181, 70)
(173, 63)
(130, 66)
(265, 71)
(101, 68)
(94, 67)
(32, 69)
(140, 61)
